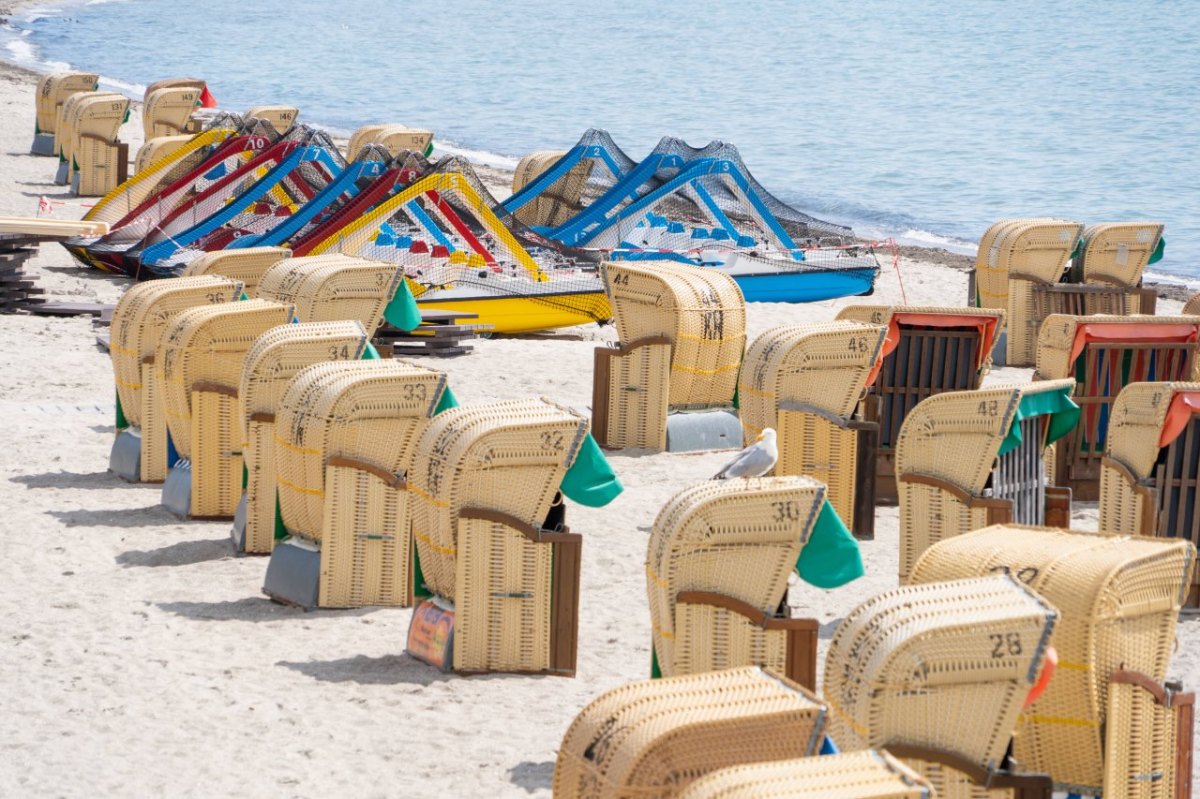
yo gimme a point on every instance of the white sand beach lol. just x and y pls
(138, 656)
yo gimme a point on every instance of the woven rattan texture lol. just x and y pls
(851, 775)
(247, 265)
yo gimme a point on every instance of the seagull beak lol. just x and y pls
(760, 437)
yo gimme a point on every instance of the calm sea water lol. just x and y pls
(926, 121)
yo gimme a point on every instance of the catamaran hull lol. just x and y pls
(806, 286)
(527, 314)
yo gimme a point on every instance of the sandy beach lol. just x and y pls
(138, 656)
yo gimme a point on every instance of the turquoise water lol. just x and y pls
(926, 121)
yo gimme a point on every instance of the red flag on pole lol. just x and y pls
(206, 99)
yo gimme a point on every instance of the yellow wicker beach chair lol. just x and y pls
(937, 675)
(174, 83)
(66, 119)
(806, 381)
(156, 148)
(140, 320)
(717, 567)
(397, 138)
(97, 161)
(967, 459)
(326, 288)
(560, 201)
(485, 480)
(1041, 246)
(683, 333)
(247, 265)
(361, 137)
(281, 117)
(1118, 598)
(1104, 354)
(276, 357)
(928, 350)
(652, 739)
(868, 774)
(199, 367)
(345, 435)
(1151, 469)
(1116, 253)
(168, 111)
(52, 91)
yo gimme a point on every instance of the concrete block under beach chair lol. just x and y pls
(1104, 354)
(247, 265)
(967, 459)
(938, 675)
(927, 351)
(199, 367)
(869, 774)
(487, 486)
(327, 288)
(718, 563)
(52, 91)
(670, 383)
(276, 357)
(805, 382)
(653, 738)
(1107, 723)
(345, 435)
(281, 117)
(140, 320)
(1150, 474)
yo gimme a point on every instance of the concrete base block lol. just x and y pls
(293, 575)
(43, 144)
(688, 432)
(125, 458)
(177, 490)
(238, 532)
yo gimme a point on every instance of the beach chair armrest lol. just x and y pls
(999, 510)
(213, 387)
(393, 480)
(1023, 786)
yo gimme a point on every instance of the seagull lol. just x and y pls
(755, 460)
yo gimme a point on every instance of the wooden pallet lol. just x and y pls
(441, 334)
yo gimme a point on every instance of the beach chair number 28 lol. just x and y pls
(1005, 644)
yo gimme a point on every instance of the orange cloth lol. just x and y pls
(1131, 333)
(1183, 406)
(986, 325)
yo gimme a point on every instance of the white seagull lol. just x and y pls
(754, 461)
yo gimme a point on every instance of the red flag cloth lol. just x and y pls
(206, 99)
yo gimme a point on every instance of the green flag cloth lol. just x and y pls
(447, 402)
(370, 353)
(122, 422)
(1157, 255)
(591, 480)
(831, 557)
(402, 312)
(1058, 405)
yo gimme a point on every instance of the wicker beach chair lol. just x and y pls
(281, 117)
(1118, 598)
(96, 162)
(199, 367)
(326, 288)
(168, 111)
(717, 567)
(562, 200)
(652, 739)
(174, 83)
(156, 148)
(967, 459)
(683, 333)
(345, 435)
(1039, 245)
(361, 137)
(247, 265)
(399, 138)
(1151, 469)
(1104, 354)
(868, 774)
(490, 532)
(1117, 253)
(140, 320)
(937, 674)
(806, 381)
(276, 357)
(928, 350)
(52, 91)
